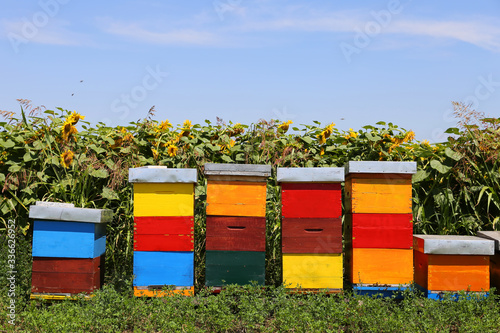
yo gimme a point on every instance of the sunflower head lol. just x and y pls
(321, 137)
(409, 136)
(284, 126)
(155, 153)
(67, 158)
(172, 150)
(74, 117)
(187, 125)
(68, 130)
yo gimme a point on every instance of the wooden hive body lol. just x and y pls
(236, 223)
(163, 230)
(452, 263)
(312, 227)
(68, 249)
(378, 225)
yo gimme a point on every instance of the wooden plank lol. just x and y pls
(164, 233)
(145, 292)
(420, 267)
(313, 200)
(458, 272)
(65, 275)
(236, 198)
(381, 266)
(378, 195)
(163, 268)
(495, 272)
(234, 267)
(311, 235)
(164, 243)
(236, 233)
(391, 231)
(151, 199)
(312, 270)
(63, 239)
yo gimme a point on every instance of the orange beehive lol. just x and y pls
(378, 225)
(445, 263)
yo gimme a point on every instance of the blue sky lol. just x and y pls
(351, 63)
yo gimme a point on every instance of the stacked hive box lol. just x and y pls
(312, 227)
(236, 223)
(164, 230)
(378, 225)
(452, 264)
(494, 259)
(68, 249)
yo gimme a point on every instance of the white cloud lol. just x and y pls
(177, 36)
(54, 33)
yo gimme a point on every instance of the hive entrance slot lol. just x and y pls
(313, 230)
(236, 227)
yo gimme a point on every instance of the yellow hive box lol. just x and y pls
(366, 193)
(163, 199)
(236, 198)
(313, 270)
(381, 266)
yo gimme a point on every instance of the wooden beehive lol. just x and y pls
(67, 275)
(312, 227)
(163, 230)
(494, 259)
(68, 249)
(236, 223)
(445, 263)
(378, 224)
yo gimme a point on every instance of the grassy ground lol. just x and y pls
(254, 309)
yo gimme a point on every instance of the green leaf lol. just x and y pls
(109, 194)
(14, 168)
(38, 145)
(27, 157)
(453, 130)
(372, 137)
(452, 154)
(330, 148)
(2, 177)
(419, 176)
(240, 157)
(307, 139)
(98, 150)
(227, 159)
(7, 144)
(437, 165)
(99, 173)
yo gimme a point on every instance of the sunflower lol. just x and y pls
(74, 117)
(187, 125)
(172, 150)
(155, 153)
(67, 158)
(321, 137)
(164, 125)
(328, 130)
(118, 143)
(68, 130)
(284, 127)
(409, 136)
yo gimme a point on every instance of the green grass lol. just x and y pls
(256, 309)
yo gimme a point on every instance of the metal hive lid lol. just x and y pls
(162, 174)
(325, 175)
